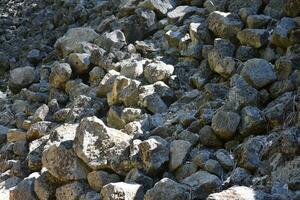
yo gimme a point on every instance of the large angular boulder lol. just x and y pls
(24, 190)
(112, 40)
(252, 121)
(79, 62)
(256, 38)
(181, 13)
(70, 191)
(158, 71)
(98, 145)
(60, 74)
(281, 34)
(20, 78)
(98, 179)
(161, 7)
(167, 189)
(121, 190)
(72, 40)
(178, 153)
(236, 5)
(45, 186)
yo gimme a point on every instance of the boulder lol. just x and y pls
(256, 38)
(161, 7)
(106, 84)
(178, 153)
(79, 62)
(112, 40)
(252, 121)
(158, 71)
(236, 5)
(45, 186)
(280, 35)
(41, 113)
(225, 159)
(214, 167)
(70, 191)
(21, 78)
(180, 13)
(24, 190)
(98, 179)
(208, 137)
(60, 74)
(121, 190)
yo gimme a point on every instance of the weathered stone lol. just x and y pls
(121, 190)
(60, 74)
(98, 179)
(45, 186)
(41, 113)
(96, 75)
(225, 159)
(239, 176)
(21, 78)
(159, 6)
(252, 121)
(136, 176)
(157, 71)
(209, 138)
(132, 69)
(71, 191)
(280, 36)
(14, 135)
(106, 83)
(256, 38)
(154, 153)
(225, 124)
(283, 67)
(258, 21)
(202, 184)
(20, 148)
(79, 62)
(181, 12)
(185, 170)
(214, 167)
(167, 189)
(225, 25)
(178, 152)
(236, 5)
(292, 8)
(7, 185)
(274, 8)
(113, 40)
(215, 5)
(72, 40)
(258, 72)
(24, 190)
(98, 145)
(37, 130)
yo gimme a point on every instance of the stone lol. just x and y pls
(201, 158)
(214, 5)
(275, 8)
(193, 138)
(224, 25)
(91, 195)
(214, 167)
(132, 69)
(24, 190)
(96, 75)
(208, 137)
(283, 67)
(72, 40)
(239, 192)
(181, 12)
(239, 176)
(252, 121)
(60, 74)
(178, 153)
(41, 113)
(14, 135)
(20, 78)
(34, 56)
(70, 191)
(157, 71)
(114, 119)
(154, 154)
(202, 184)
(225, 159)
(225, 124)
(106, 83)
(159, 6)
(98, 179)
(121, 190)
(98, 145)
(256, 38)
(280, 35)
(45, 186)
(7, 185)
(38, 130)
(291, 8)
(236, 5)
(79, 62)
(136, 176)
(185, 170)
(20, 148)
(167, 189)
(258, 72)
(62, 163)
(258, 21)
(112, 40)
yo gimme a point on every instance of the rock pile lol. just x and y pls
(150, 100)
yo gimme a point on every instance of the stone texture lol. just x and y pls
(121, 190)
(178, 152)
(98, 179)
(21, 78)
(256, 38)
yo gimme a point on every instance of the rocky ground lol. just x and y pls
(149, 100)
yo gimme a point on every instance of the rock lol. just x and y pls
(71, 191)
(125, 91)
(258, 21)
(209, 138)
(180, 13)
(225, 159)
(239, 176)
(38, 130)
(256, 38)
(136, 176)
(121, 190)
(252, 121)
(79, 62)
(132, 69)
(106, 83)
(224, 25)
(159, 6)
(201, 158)
(214, 5)
(239, 192)
(98, 179)
(178, 152)
(157, 71)
(274, 8)
(185, 170)
(113, 40)
(291, 8)
(24, 190)
(258, 72)
(60, 74)
(280, 35)
(96, 75)
(62, 163)
(154, 154)
(98, 145)
(20, 148)
(92, 195)
(283, 67)
(34, 56)
(72, 40)
(14, 135)
(21, 78)
(41, 113)
(45, 186)
(7, 185)
(167, 189)
(114, 118)
(214, 167)
(236, 5)
(202, 184)
(225, 124)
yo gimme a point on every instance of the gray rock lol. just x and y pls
(215, 5)
(71, 191)
(92, 195)
(225, 124)
(202, 184)
(239, 176)
(283, 67)
(154, 153)
(258, 72)
(96, 75)
(7, 185)
(21, 78)
(112, 40)
(132, 69)
(225, 159)
(79, 62)
(157, 71)
(209, 138)
(159, 6)
(60, 74)
(274, 8)
(20, 148)
(24, 190)
(292, 8)
(98, 145)
(34, 56)
(201, 158)
(72, 40)
(258, 21)
(121, 190)
(185, 170)
(45, 186)
(38, 130)
(214, 167)
(98, 179)
(280, 35)
(41, 113)
(136, 176)
(236, 5)
(256, 38)
(224, 25)
(252, 121)
(106, 83)
(167, 189)
(178, 152)
(180, 13)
